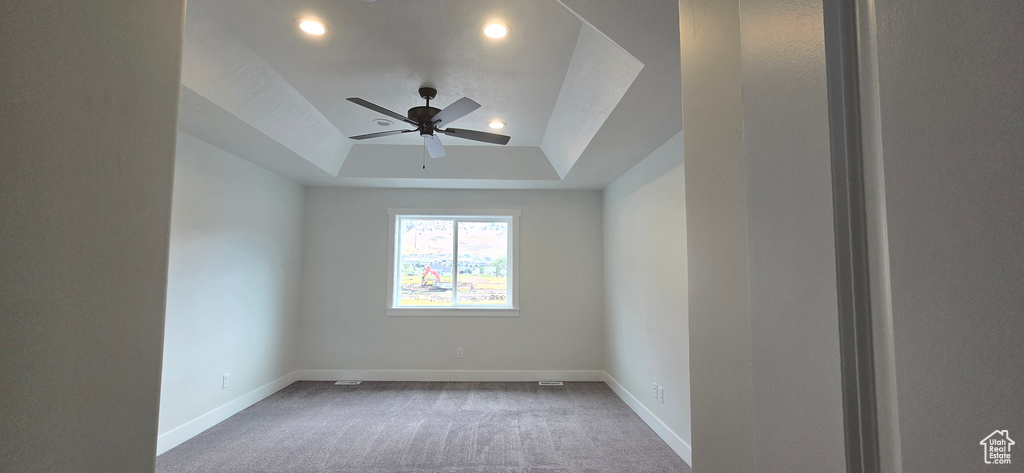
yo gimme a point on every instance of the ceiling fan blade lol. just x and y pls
(433, 144)
(455, 111)
(379, 109)
(477, 136)
(380, 134)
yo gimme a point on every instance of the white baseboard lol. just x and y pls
(674, 441)
(449, 375)
(196, 426)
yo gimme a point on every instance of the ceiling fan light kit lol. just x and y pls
(430, 120)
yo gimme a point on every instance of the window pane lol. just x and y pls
(483, 263)
(425, 262)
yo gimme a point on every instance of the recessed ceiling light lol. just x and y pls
(496, 124)
(382, 122)
(496, 30)
(313, 27)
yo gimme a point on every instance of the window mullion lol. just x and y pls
(396, 274)
(455, 262)
(510, 268)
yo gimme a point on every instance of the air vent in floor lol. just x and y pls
(550, 383)
(347, 383)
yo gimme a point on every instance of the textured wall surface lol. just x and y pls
(716, 240)
(952, 136)
(88, 101)
(764, 356)
(233, 281)
(794, 313)
(646, 328)
(345, 270)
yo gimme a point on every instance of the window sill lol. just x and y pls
(451, 312)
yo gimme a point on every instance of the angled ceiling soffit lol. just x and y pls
(513, 163)
(202, 119)
(228, 74)
(600, 72)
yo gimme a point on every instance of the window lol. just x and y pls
(448, 262)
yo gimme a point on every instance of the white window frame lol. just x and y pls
(393, 309)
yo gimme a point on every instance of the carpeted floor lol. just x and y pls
(429, 427)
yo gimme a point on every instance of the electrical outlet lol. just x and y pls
(661, 394)
(460, 352)
(655, 390)
(225, 380)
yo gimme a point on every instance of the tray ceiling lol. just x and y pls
(582, 104)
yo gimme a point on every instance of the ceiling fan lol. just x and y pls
(429, 120)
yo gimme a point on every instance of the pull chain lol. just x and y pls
(424, 156)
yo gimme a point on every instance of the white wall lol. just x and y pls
(791, 239)
(763, 317)
(721, 381)
(88, 100)
(646, 326)
(343, 326)
(233, 282)
(951, 102)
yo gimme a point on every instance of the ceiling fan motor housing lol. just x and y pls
(423, 115)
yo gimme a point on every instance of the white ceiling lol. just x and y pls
(588, 88)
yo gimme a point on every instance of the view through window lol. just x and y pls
(459, 261)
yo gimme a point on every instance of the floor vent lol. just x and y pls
(550, 383)
(347, 383)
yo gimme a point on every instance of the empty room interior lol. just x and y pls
(317, 238)
(542, 235)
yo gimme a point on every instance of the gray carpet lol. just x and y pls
(429, 427)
